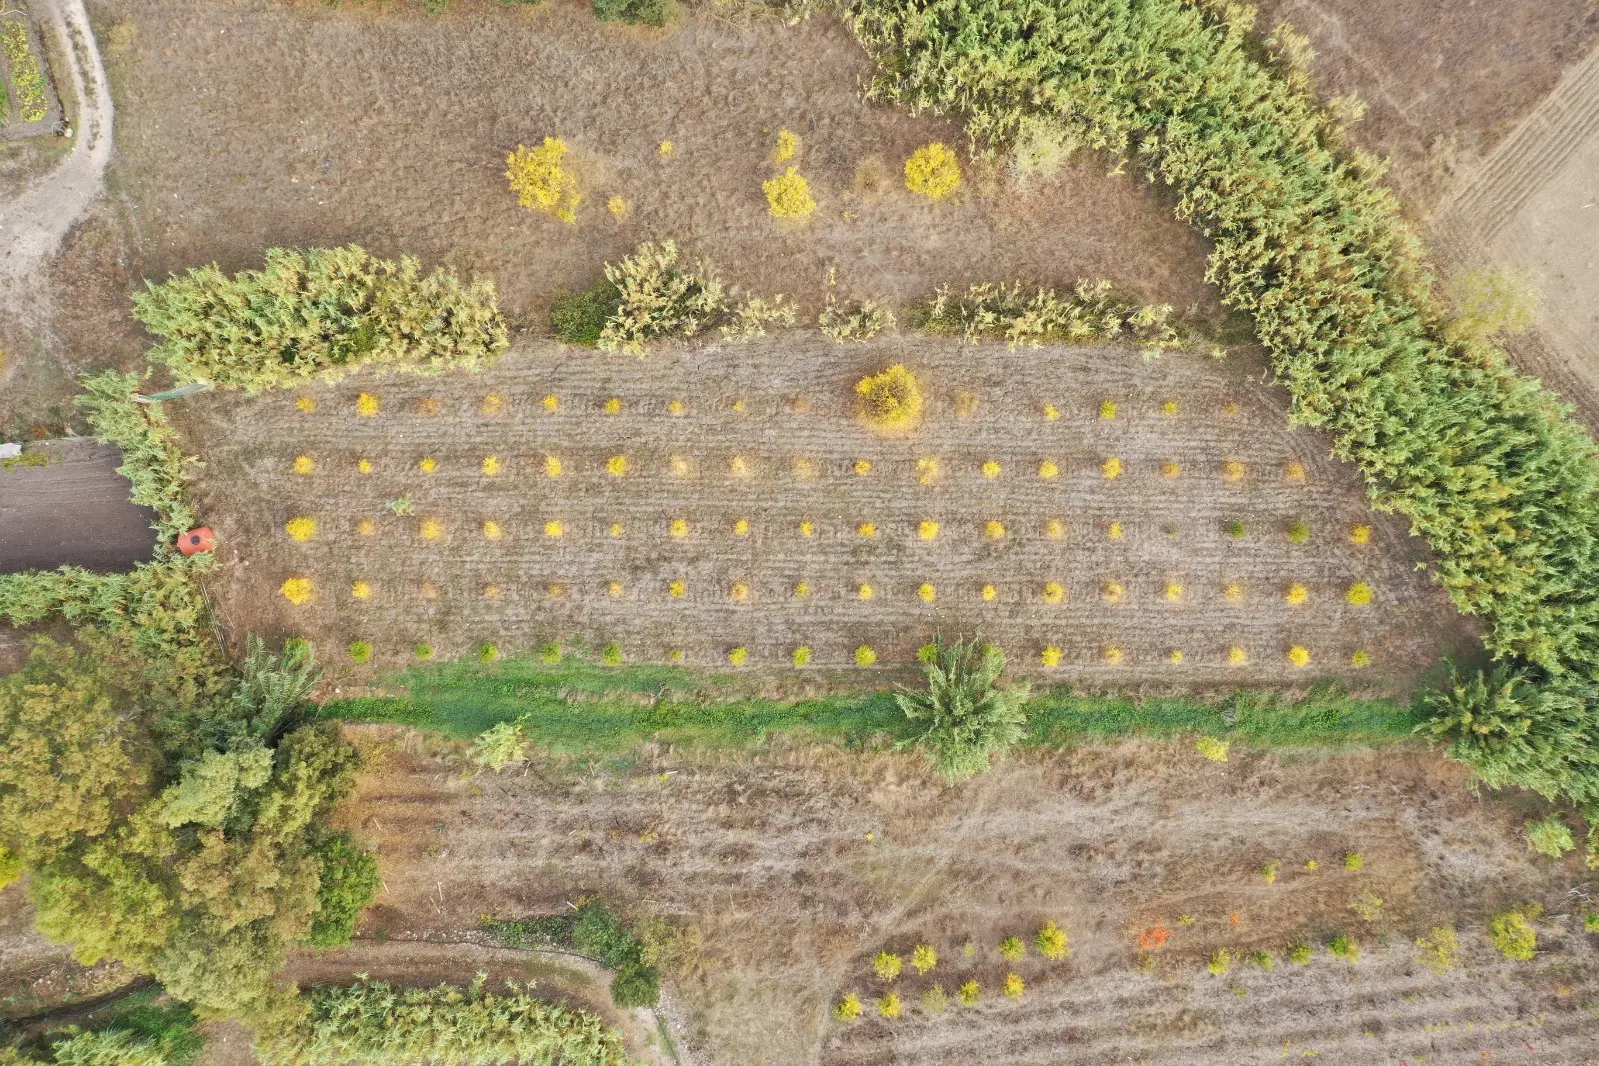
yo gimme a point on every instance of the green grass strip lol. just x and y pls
(580, 708)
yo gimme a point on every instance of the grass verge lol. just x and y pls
(580, 708)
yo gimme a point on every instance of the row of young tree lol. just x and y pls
(1482, 461)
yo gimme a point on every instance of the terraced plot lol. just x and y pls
(1106, 517)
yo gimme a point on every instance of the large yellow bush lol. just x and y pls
(542, 182)
(933, 170)
(789, 195)
(890, 400)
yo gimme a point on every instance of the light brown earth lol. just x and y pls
(1143, 561)
(791, 867)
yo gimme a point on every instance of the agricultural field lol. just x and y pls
(850, 534)
(1122, 520)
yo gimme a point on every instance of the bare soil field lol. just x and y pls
(702, 500)
(790, 868)
(73, 511)
(1444, 80)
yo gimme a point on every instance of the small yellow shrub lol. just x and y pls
(1360, 660)
(863, 467)
(1107, 409)
(788, 146)
(1054, 529)
(613, 406)
(991, 470)
(887, 965)
(1294, 472)
(927, 530)
(1268, 872)
(427, 464)
(554, 528)
(297, 590)
(666, 149)
(927, 592)
(551, 402)
(542, 182)
(1014, 986)
(889, 1006)
(865, 656)
(738, 656)
(1049, 468)
(301, 529)
(1211, 748)
(867, 592)
(802, 655)
(1299, 656)
(677, 589)
(1050, 656)
(1174, 591)
(891, 400)
(361, 590)
(1111, 469)
(990, 593)
(741, 528)
(807, 529)
(848, 1009)
(1360, 534)
(433, 529)
(616, 466)
(1220, 962)
(1114, 531)
(366, 405)
(1169, 408)
(740, 592)
(492, 466)
(364, 465)
(1232, 470)
(365, 527)
(970, 993)
(802, 589)
(1052, 943)
(679, 527)
(994, 530)
(739, 467)
(1054, 592)
(1051, 412)
(927, 471)
(1111, 656)
(1234, 592)
(679, 466)
(1237, 656)
(1112, 592)
(867, 529)
(493, 405)
(1296, 594)
(1170, 469)
(617, 207)
(615, 590)
(1011, 949)
(788, 196)
(306, 404)
(933, 170)
(924, 958)
(1176, 656)
(1359, 594)
(616, 529)
(304, 464)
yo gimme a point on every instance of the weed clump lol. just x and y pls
(1300, 953)
(1439, 948)
(970, 993)
(657, 298)
(361, 652)
(1549, 836)
(1011, 949)
(542, 182)
(1211, 748)
(966, 717)
(502, 744)
(1219, 963)
(1344, 948)
(580, 317)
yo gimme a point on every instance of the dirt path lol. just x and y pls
(1534, 203)
(73, 511)
(33, 225)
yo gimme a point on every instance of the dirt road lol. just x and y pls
(32, 225)
(74, 511)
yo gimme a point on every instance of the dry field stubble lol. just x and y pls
(1444, 81)
(793, 867)
(720, 498)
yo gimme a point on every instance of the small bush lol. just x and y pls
(542, 182)
(300, 529)
(1211, 748)
(658, 298)
(788, 196)
(802, 655)
(970, 993)
(297, 590)
(580, 317)
(1011, 949)
(1014, 986)
(1514, 936)
(889, 1006)
(934, 1000)
(1354, 861)
(502, 744)
(360, 652)
(848, 1009)
(488, 653)
(890, 400)
(887, 965)
(864, 655)
(1344, 948)
(348, 884)
(636, 984)
(924, 958)
(1051, 942)
(1298, 533)
(1300, 953)
(1219, 963)
(1268, 872)
(653, 13)
(611, 654)
(1550, 836)
(967, 718)
(749, 319)
(1438, 949)
(1359, 594)
(933, 170)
